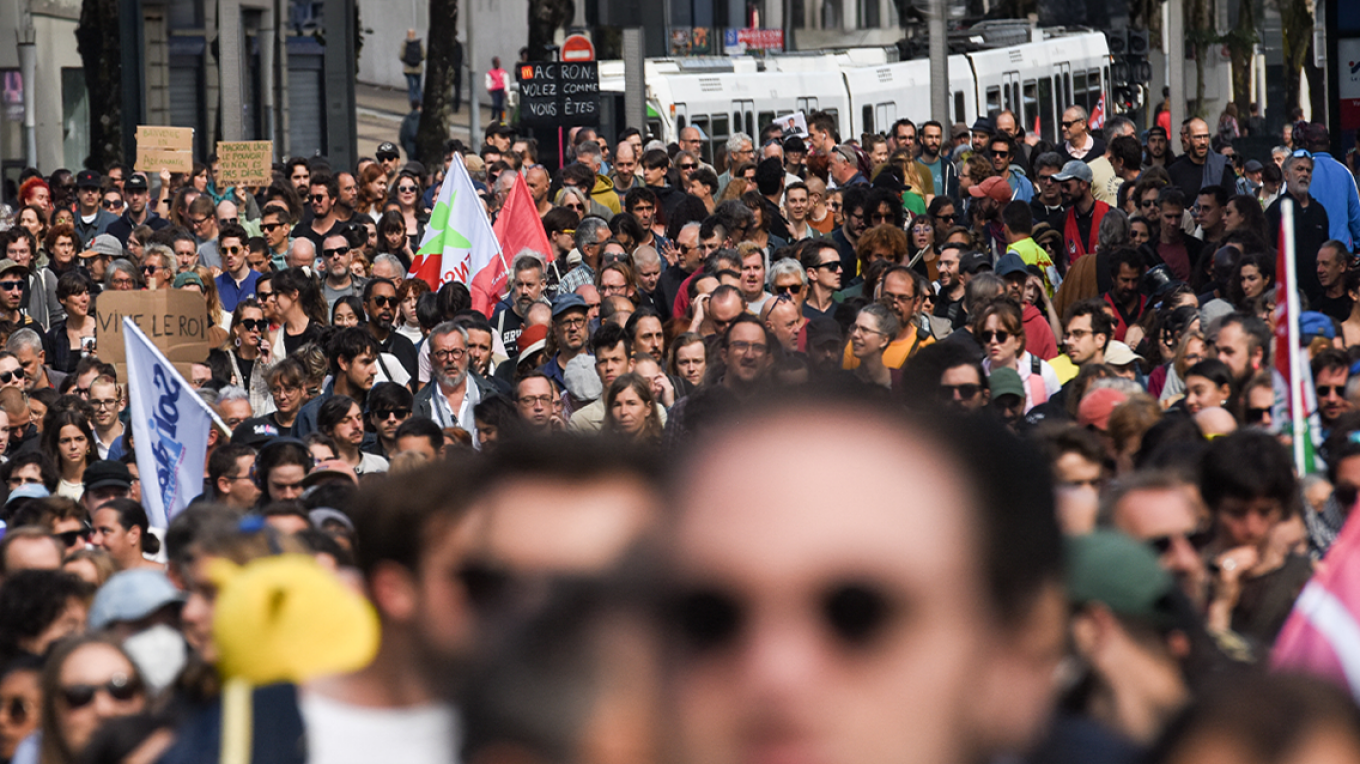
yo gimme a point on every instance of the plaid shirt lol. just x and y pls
(581, 274)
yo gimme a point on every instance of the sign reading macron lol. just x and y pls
(557, 94)
(245, 163)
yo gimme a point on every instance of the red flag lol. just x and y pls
(517, 228)
(1097, 120)
(1283, 278)
(1322, 635)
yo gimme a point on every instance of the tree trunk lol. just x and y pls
(98, 43)
(545, 18)
(1317, 87)
(440, 71)
(1296, 28)
(1202, 23)
(1241, 44)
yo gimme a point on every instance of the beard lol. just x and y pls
(452, 380)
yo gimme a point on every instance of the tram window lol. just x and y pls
(993, 101)
(1030, 103)
(1079, 91)
(1093, 87)
(868, 117)
(720, 128)
(959, 115)
(705, 148)
(1046, 116)
(764, 119)
(679, 123)
(1067, 90)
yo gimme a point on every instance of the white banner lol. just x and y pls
(170, 425)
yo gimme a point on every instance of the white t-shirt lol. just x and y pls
(340, 733)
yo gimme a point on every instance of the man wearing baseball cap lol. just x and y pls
(91, 219)
(138, 195)
(389, 157)
(1081, 225)
(989, 197)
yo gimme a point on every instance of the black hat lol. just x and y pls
(974, 262)
(983, 125)
(254, 433)
(135, 183)
(105, 473)
(388, 149)
(89, 179)
(823, 329)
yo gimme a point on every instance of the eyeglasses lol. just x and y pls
(385, 414)
(688, 166)
(121, 688)
(111, 204)
(104, 403)
(880, 218)
(383, 301)
(278, 390)
(966, 392)
(8, 376)
(232, 250)
(1327, 391)
(854, 614)
(743, 347)
(1198, 540)
(951, 216)
(264, 296)
(999, 336)
(1047, 178)
(865, 329)
(1077, 334)
(1066, 123)
(334, 251)
(834, 265)
(123, 282)
(71, 538)
(572, 323)
(1001, 154)
(444, 355)
(254, 324)
(1146, 203)
(1256, 415)
(148, 269)
(269, 227)
(11, 286)
(407, 189)
(199, 221)
(531, 400)
(788, 290)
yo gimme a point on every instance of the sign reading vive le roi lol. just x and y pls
(554, 94)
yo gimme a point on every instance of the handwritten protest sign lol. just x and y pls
(171, 148)
(175, 321)
(245, 163)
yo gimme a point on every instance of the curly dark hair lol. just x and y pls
(30, 600)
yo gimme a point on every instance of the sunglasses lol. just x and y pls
(269, 227)
(688, 166)
(1066, 123)
(834, 265)
(11, 286)
(255, 324)
(71, 538)
(1255, 415)
(834, 205)
(787, 291)
(10, 376)
(17, 708)
(384, 414)
(1198, 540)
(120, 688)
(999, 336)
(965, 392)
(228, 221)
(383, 301)
(854, 613)
(1325, 391)
(334, 252)
(407, 189)
(110, 204)
(950, 216)
(232, 250)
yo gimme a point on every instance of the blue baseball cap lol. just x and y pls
(131, 596)
(27, 491)
(1008, 264)
(566, 302)
(1314, 324)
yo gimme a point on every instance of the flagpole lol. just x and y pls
(1298, 416)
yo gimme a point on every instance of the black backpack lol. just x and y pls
(411, 56)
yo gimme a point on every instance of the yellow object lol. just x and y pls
(1064, 368)
(287, 619)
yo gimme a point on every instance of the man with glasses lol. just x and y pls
(13, 279)
(690, 140)
(903, 136)
(336, 258)
(380, 303)
(690, 252)
(237, 281)
(1047, 204)
(454, 390)
(274, 226)
(900, 290)
(389, 407)
(1311, 224)
(824, 273)
(856, 207)
(325, 190)
(138, 211)
(91, 219)
(740, 148)
(1159, 509)
(107, 402)
(1078, 143)
(571, 330)
(1331, 372)
(1002, 155)
(1200, 165)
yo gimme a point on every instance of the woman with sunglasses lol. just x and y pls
(573, 199)
(943, 214)
(20, 702)
(68, 440)
(250, 354)
(999, 328)
(87, 681)
(406, 193)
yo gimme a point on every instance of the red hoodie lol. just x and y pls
(1038, 334)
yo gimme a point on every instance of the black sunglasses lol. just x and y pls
(966, 392)
(855, 613)
(255, 324)
(383, 414)
(1255, 415)
(334, 251)
(1000, 336)
(787, 290)
(120, 688)
(7, 376)
(1198, 540)
(834, 265)
(70, 538)
(383, 301)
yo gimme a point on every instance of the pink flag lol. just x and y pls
(1322, 635)
(517, 228)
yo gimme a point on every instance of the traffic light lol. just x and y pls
(1129, 51)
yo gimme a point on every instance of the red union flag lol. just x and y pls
(517, 228)
(1322, 635)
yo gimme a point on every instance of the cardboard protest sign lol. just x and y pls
(175, 321)
(170, 148)
(245, 163)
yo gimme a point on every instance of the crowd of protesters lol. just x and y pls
(945, 445)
